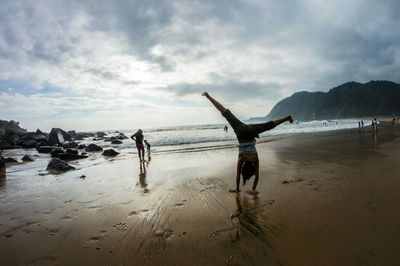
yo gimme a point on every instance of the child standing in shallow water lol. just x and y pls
(148, 146)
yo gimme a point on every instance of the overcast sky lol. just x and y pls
(127, 64)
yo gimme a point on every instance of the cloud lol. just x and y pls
(165, 52)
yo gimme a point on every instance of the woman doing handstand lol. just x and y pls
(248, 163)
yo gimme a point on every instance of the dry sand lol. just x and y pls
(325, 199)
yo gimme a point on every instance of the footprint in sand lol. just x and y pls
(7, 235)
(95, 207)
(180, 203)
(121, 226)
(137, 212)
(94, 238)
(166, 233)
(98, 237)
(52, 231)
(292, 181)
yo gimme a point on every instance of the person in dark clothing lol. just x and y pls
(148, 146)
(138, 138)
(248, 163)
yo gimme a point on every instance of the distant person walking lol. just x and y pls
(226, 128)
(248, 163)
(138, 138)
(374, 125)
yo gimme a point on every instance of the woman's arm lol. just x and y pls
(214, 102)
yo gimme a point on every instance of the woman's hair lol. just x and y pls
(248, 170)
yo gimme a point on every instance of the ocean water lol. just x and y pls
(213, 136)
(180, 139)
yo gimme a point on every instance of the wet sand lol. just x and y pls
(325, 199)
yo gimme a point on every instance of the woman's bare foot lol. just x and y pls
(234, 190)
(252, 192)
(290, 119)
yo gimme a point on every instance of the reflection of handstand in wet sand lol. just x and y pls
(248, 163)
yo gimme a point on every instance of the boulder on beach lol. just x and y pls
(58, 165)
(57, 136)
(71, 144)
(100, 134)
(47, 149)
(30, 143)
(73, 134)
(70, 156)
(10, 160)
(110, 152)
(2, 167)
(73, 151)
(38, 131)
(42, 143)
(81, 146)
(33, 136)
(55, 152)
(28, 158)
(116, 141)
(93, 147)
(121, 136)
(5, 145)
(2, 162)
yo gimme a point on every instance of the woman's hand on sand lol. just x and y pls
(205, 94)
(234, 190)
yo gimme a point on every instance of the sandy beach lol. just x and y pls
(327, 198)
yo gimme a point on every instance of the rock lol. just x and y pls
(58, 165)
(81, 146)
(100, 134)
(2, 167)
(28, 158)
(2, 162)
(47, 149)
(38, 131)
(110, 152)
(122, 136)
(5, 145)
(42, 143)
(93, 147)
(55, 152)
(10, 160)
(82, 135)
(73, 151)
(32, 136)
(116, 141)
(73, 134)
(71, 144)
(57, 136)
(30, 143)
(70, 156)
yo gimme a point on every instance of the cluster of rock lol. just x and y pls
(61, 145)
(2, 167)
